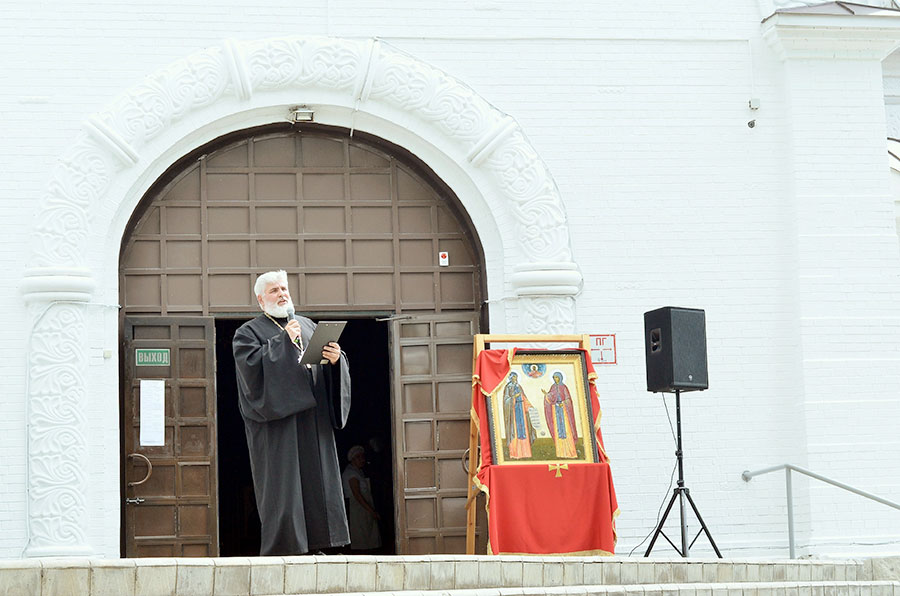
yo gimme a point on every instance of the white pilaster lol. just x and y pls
(848, 309)
(58, 459)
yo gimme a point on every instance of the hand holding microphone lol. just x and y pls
(293, 325)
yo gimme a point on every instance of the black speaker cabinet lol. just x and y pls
(675, 349)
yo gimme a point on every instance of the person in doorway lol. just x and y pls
(361, 512)
(290, 411)
(378, 469)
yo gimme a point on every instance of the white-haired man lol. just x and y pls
(290, 411)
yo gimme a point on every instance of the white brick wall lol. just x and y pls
(640, 112)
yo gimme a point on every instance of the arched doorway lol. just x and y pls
(358, 224)
(120, 151)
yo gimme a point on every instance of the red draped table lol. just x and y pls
(542, 510)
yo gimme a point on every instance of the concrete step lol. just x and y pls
(858, 588)
(257, 576)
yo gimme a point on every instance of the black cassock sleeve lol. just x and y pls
(338, 379)
(271, 385)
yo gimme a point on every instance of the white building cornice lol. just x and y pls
(814, 35)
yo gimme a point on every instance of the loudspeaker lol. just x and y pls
(675, 349)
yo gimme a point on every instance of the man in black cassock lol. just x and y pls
(290, 411)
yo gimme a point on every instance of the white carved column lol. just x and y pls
(57, 426)
(57, 289)
(845, 243)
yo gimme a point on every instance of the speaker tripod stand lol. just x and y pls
(682, 494)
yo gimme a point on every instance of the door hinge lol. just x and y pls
(394, 318)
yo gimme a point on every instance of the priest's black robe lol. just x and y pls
(289, 413)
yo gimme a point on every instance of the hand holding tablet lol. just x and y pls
(326, 332)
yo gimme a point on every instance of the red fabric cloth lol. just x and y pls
(530, 508)
(491, 367)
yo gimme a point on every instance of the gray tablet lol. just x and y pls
(326, 331)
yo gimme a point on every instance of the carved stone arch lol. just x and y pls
(477, 150)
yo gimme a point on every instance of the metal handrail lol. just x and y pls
(788, 468)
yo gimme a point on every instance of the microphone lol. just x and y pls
(290, 317)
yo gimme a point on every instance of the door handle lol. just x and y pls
(149, 469)
(135, 501)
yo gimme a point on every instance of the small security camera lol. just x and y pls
(752, 124)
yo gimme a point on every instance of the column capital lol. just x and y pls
(546, 278)
(832, 32)
(50, 284)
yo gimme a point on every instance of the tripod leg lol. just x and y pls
(702, 523)
(661, 523)
(685, 549)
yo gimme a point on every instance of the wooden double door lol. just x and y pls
(171, 491)
(364, 231)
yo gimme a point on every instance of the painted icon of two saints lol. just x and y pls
(542, 411)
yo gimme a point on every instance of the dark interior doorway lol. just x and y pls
(365, 342)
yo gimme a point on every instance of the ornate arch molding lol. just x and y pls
(362, 77)
(365, 75)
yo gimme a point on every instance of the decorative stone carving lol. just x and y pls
(436, 99)
(368, 71)
(370, 75)
(111, 141)
(57, 447)
(304, 62)
(240, 77)
(163, 98)
(486, 145)
(549, 315)
(541, 230)
(364, 82)
(77, 183)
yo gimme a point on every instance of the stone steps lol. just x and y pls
(836, 588)
(443, 574)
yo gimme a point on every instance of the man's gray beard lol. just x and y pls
(279, 312)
